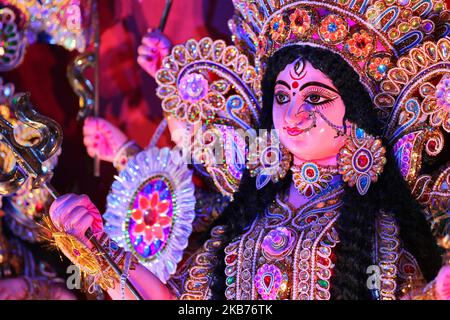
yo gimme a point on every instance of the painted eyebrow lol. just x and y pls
(317, 84)
(283, 83)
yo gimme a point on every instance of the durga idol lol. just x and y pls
(342, 83)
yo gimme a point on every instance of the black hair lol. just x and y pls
(356, 223)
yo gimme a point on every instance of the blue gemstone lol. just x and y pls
(113, 246)
(363, 182)
(332, 27)
(262, 180)
(276, 25)
(360, 133)
(7, 91)
(444, 49)
(382, 68)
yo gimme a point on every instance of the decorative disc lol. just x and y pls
(150, 209)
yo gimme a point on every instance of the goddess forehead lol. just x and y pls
(301, 71)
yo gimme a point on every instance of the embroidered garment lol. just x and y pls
(288, 253)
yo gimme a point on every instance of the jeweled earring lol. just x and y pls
(268, 161)
(361, 160)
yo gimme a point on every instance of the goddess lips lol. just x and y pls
(293, 131)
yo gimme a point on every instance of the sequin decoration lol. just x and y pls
(270, 161)
(193, 87)
(333, 28)
(201, 78)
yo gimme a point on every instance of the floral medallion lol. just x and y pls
(150, 209)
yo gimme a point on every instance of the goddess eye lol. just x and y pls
(282, 98)
(316, 99)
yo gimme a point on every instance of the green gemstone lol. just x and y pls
(230, 280)
(323, 283)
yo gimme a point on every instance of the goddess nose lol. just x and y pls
(302, 113)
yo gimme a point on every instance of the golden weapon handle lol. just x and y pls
(90, 235)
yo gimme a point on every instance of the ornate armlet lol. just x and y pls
(126, 151)
(91, 263)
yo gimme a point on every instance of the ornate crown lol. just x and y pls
(369, 35)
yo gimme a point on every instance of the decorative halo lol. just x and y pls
(205, 80)
(150, 209)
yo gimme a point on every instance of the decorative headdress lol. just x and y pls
(399, 48)
(369, 35)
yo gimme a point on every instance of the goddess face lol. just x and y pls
(306, 106)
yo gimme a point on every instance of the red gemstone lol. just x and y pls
(432, 146)
(311, 219)
(267, 280)
(333, 257)
(409, 269)
(150, 217)
(363, 160)
(323, 261)
(308, 192)
(231, 258)
(39, 207)
(309, 172)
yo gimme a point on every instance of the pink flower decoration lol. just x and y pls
(151, 217)
(193, 87)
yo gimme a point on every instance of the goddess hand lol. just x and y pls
(154, 48)
(442, 284)
(102, 138)
(75, 214)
